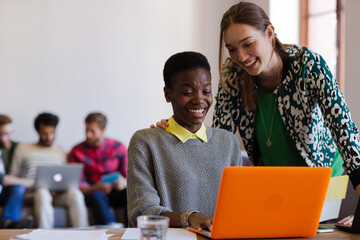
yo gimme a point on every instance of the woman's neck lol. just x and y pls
(270, 79)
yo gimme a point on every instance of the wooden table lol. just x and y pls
(6, 234)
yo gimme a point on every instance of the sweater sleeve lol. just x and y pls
(143, 197)
(237, 159)
(15, 168)
(337, 117)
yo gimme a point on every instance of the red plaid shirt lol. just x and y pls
(109, 157)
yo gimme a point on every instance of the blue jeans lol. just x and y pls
(99, 204)
(12, 198)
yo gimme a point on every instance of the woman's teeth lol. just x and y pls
(250, 63)
(196, 110)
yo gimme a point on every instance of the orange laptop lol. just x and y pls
(269, 202)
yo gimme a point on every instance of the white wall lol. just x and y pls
(352, 53)
(71, 57)
(76, 56)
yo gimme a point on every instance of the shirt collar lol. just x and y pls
(183, 134)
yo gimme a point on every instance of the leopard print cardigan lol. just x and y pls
(312, 108)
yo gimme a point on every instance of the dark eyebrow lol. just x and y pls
(190, 86)
(185, 85)
(228, 45)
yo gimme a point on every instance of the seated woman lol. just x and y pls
(176, 172)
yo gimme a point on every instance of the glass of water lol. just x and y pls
(152, 227)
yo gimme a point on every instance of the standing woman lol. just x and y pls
(283, 100)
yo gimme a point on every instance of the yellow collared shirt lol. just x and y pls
(183, 134)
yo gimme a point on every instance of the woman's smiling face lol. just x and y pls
(249, 47)
(190, 97)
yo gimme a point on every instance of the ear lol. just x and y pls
(167, 94)
(270, 32)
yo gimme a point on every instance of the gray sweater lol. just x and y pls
(166, 175)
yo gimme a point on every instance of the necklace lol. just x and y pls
(268, 136)
(268, 142)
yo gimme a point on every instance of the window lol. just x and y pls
(322, 29)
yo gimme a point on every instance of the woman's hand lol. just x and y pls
(358, 189)
(199, 221)
(162, 124)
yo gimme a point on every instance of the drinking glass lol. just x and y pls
(152, 227)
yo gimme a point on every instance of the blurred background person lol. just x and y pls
(28, 156)
(101, 156)
(12, 189)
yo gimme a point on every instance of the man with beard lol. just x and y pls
(29, 156)
(101, 156)
(12, 188)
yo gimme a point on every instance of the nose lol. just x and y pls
(242, 55)
(198, 98)
(88, 135)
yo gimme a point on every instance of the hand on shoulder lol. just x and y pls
(162, 124)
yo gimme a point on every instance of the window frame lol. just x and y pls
(340, 36)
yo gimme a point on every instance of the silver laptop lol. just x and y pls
(355, 226)
(58, 178)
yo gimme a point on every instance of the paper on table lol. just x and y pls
(172, 234)
(335, 193)
(42, 234)
(337, 187)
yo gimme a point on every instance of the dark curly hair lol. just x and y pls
(182, 61)
(46, 119)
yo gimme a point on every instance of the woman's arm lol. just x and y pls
(223, 111)
(337, 118)
(143, 197)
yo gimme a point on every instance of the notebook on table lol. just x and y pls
(355, 226)
(58, 178)
(269, 202)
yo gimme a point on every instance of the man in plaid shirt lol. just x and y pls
(101, 156)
